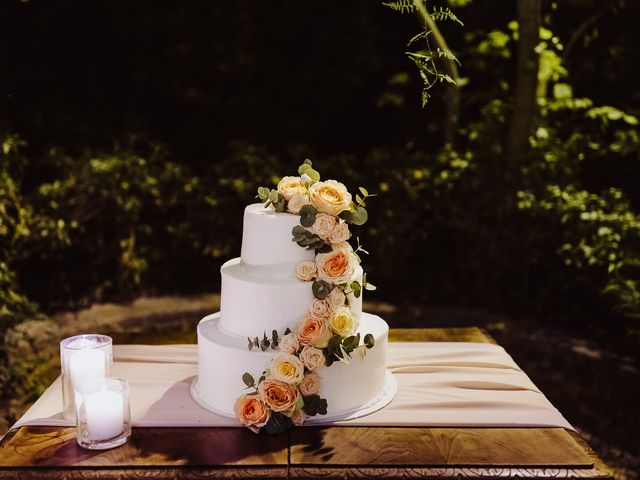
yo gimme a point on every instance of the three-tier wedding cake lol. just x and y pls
(291, 340)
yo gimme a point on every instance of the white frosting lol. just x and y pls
(267, 238)
(224, 358)
(255, 300)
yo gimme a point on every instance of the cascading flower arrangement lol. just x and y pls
(287, 393)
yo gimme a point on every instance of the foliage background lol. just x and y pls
(132, 134)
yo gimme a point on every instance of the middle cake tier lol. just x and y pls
(259, 299)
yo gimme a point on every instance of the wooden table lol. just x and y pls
(309, 452)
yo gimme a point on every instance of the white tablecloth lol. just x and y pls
(440, 384)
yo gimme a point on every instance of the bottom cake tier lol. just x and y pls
(223, 359)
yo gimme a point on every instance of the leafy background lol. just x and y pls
(132, 134)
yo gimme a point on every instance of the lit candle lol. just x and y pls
(105, 417)
(86, 365)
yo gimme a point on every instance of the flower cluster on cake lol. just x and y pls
(291, 344)
(287, 391)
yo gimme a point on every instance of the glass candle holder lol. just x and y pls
(103, 414)
(82, 358)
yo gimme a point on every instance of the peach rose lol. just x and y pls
(337, 266)
(297, 202)
(312, 357)
(310, 384)
(251, 411)
(313, 331)
(306, 270)
(320, 308)
(279, 396)
(340, 233)
(290, 186)
(298, 418)
(336, 298)
(324, 225)
(343, 322)
(286, 368)
(289, 343)
(330, 197)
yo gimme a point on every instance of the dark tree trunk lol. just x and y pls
(524, 105)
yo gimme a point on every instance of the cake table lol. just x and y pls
(35, 452)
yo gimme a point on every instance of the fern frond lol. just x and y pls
(448, 54)
(443, 77)
(424, 34)
(440, 14)
(425, 97)
(401, 6)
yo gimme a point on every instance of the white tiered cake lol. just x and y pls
(260, 293)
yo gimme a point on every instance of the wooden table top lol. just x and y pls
(310, 452)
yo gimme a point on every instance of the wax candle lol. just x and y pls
(82, 358)
(104, 412)
(86, 365)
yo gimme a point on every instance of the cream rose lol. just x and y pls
(340, 233)
(336, 299)
(314, 332)
(330, 197)
(337, 266)
(298, 418)
(320, 308)
(306, 270)
(310, 384)
(251, 411)
(289, 343)
(280, 396)
(286, 368)
(324, 225)
(297, 202)
(290, 186)
(312, 357)
(343, 322)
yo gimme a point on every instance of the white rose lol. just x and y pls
(297, 202)
(324, 225)
(306, 270)
(290, 186)
(312, 357)
(289, 343)
(330, 197)
(343, 322)
(336, 299)
(304, 179)
(286, 368)
(320, 308)
(340, 233)
(337, 266)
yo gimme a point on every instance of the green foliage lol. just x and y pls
(307, 216)
(314, 405)
(278, 423)
(425, 58)
(248, 380)
(321, 289)
(306, 239)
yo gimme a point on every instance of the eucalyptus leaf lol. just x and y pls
(278, 423)
(248, 380)
(360, 216)
(363, 191)
(307, 215)
(314, 405)
(369, 340)
(321, 289)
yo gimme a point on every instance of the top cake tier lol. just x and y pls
(267, 239)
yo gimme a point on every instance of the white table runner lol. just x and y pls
(439, 384)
